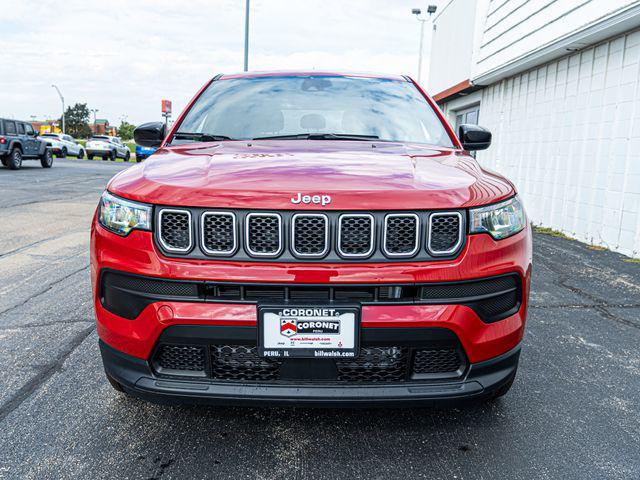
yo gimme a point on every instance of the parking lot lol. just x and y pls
(574, 411)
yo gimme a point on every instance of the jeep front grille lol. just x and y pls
(309, 236)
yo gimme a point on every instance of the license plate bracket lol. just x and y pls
(303, 331)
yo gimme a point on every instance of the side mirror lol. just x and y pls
(474, 137)
(150, 134)
(33, 133)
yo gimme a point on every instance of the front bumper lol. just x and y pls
(491, 349)
(137, 377)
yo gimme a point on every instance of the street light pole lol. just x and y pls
(431, 9)
(94, 111)
(62, 100)
(246, 37)
(422, 21)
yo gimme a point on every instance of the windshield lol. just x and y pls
(100, 139)
(52, 135)
(249, 108)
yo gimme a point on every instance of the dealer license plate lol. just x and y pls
(308, 332)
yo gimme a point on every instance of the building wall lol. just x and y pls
(568, 134)
(514, 28)
(452, 44)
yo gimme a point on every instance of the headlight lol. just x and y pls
(121, 216)
(500, 220)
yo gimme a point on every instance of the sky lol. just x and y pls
(123, 57)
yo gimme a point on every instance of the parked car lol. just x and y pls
(18, 142)
(340, 246)
(143, 153)
(109, 148)
(63, 145)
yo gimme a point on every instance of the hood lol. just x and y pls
(268, 174)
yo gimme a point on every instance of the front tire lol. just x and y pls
(127, 157)
(90, 157)
(46, 159)
(81, 154)
(113, 156)
(15, 159)
(63, 152)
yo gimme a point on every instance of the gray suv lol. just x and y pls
(19, 141)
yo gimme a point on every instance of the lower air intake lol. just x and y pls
(180, 359)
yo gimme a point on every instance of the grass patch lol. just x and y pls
(632, 260)
(551, 232)
(597, 248)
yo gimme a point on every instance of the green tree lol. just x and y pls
(77, 121)
(125, 130)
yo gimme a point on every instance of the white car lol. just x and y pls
(107, 147)
(63, 145)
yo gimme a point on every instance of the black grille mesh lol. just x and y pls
(189, 358)
(175, 230)
(401, 234)
(239, 362)
(310, 235)
(436, 360)
(498, 306)
(218, 232)
(375, 365)
(445, 231)
(264, 234)
(150, 286)
(486, 286)
(355, 235)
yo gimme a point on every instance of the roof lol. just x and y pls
(305, 73)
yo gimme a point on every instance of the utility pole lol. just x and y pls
(62, 100)
(431, 9)
(246, 37)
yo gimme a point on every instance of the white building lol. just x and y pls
(558, 84)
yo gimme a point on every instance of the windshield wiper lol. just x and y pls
(200, 137)
(320, 136)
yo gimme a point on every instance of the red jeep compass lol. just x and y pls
(310, 238)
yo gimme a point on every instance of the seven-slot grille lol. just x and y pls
(310, 236)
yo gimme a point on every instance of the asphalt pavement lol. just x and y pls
(573, 412)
